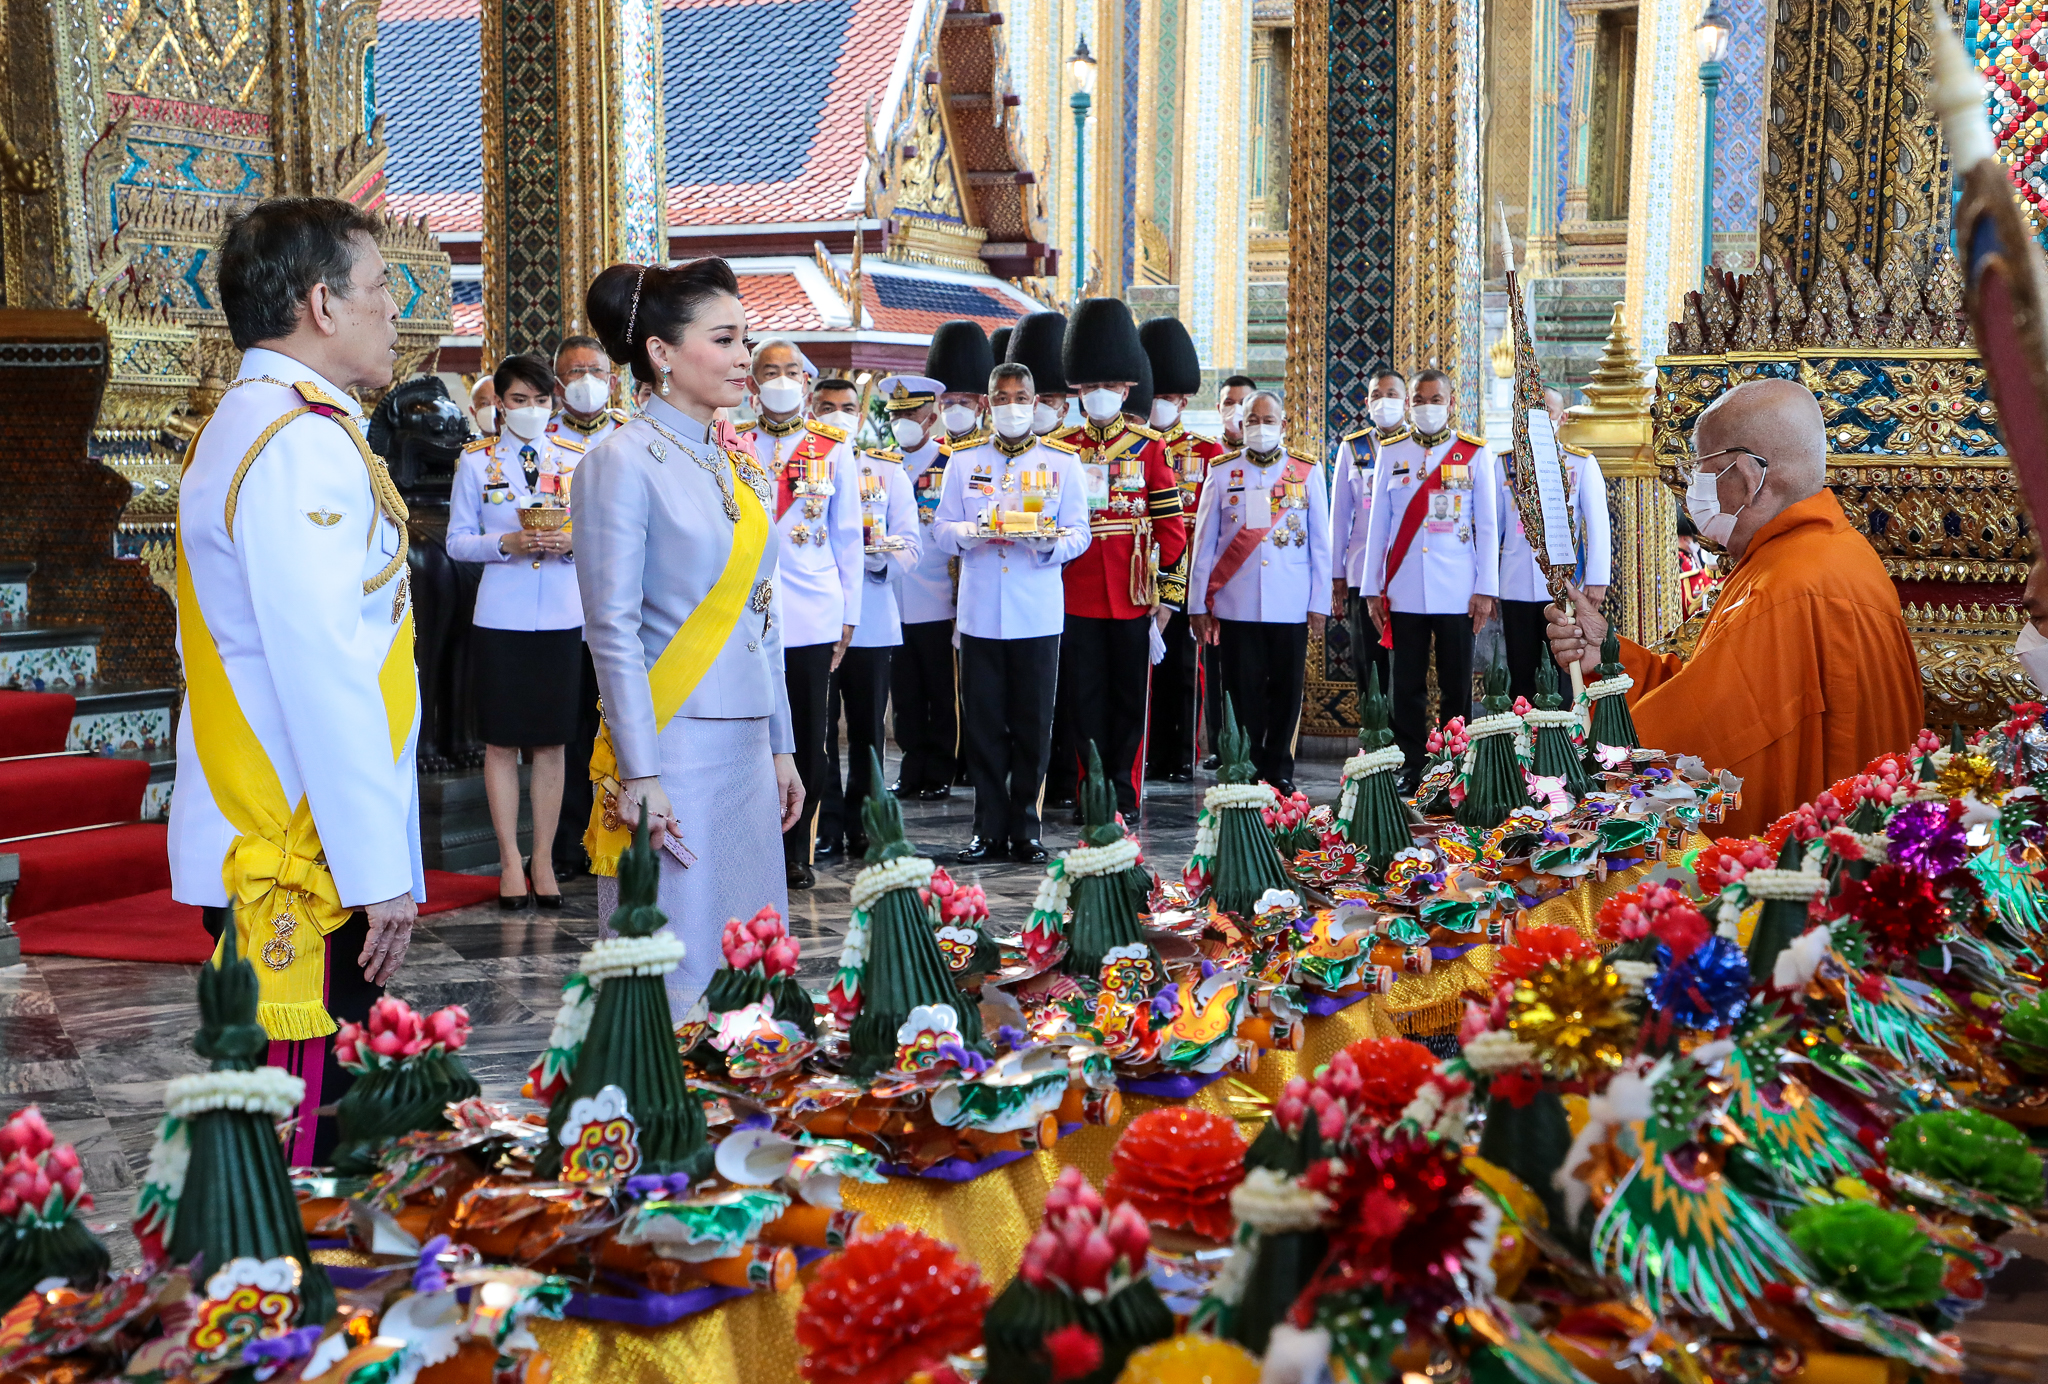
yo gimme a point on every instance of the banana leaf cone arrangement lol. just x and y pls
(1374, 818)
(1083, 1275)
(902, 967)
(1554, 755)
(236, 1200)
(1494, 785)
(760, 963)
(410, 1070)
(42, 1192)
(1107, 892)
(631, 1041)
(1610, 722)
(1247, 862)
(1779, 922)
(1282, 1260)
(1530, 1140)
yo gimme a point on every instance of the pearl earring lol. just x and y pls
(664, 379)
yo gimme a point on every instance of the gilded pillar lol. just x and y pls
(1664, 170)
(1539, 254)
(574, 177)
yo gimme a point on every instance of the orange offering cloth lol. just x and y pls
(1803, 674)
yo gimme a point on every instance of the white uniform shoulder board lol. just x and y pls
(825, 430)
(314, 394)
(480, 444)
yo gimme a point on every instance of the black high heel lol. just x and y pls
(540, 900)
(516, 903)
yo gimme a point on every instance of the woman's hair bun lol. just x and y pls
(667, 301)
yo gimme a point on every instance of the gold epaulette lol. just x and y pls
(1062, 433)
(1576, 451)
(949, 446)
(479, 444)
(883, 454)
(1354, 436)
(747, 431)
(619, 416)
(1398, 435)
(1141, 430)
(825, 430)
(1468, 437)
(1053, 441)
(1232, 455)
(568, 443)
(314, 394)
(1301, 457)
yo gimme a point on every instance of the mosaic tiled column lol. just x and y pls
(573, 167)
(1664, 169)
(1539, 256)
(1215, 168)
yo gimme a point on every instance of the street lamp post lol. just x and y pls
(1710, 39)
(1081, 66)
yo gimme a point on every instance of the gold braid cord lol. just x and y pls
(389, 502)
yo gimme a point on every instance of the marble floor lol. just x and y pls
(93, 1042)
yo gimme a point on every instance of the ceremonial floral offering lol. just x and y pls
(408, 1073)
(42, 1192)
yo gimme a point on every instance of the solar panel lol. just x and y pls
(744, 86)
(944, 298)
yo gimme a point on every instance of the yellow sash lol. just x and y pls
(680, 668)
(275, 871)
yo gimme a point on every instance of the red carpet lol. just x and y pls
(34, 722)
(67, 791)
(155, 928)
(87, 867)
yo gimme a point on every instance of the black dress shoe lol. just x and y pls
(856, 848)
(1211, 762)
(933, 795)
(800, 875)
(1286, 787)
(978, 849)
(901, 789)
(1029, 852)
(1181, 776)
(826, 849)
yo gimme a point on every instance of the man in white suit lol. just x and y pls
(295, 815)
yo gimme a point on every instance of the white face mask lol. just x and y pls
(959, 418)
(1013, 420)
(1386, 412)
(1262, 437)
(1233, 417)
(1432, 418)
(781, 394)
(909, 435)
(1164, 412)
(1101, 405)
(2031, 650)
(837, 418)
(528, 423)
(587, 393)
(1703, 506)
(487, 418)
(1044, 418)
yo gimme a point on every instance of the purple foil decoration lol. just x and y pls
(293, 1345)
(969, 1061)
(1010, 1036)
(1208, 968)
(426, 1275)
(652, 1186)
(1926, 840)
(1166, 1006)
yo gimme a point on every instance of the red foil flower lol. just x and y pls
(885, 1308)
(1898, 909)
(1177, 1167)
(1728, 860)
(1398, 1222)
(1537, 947)
(1390, 1072)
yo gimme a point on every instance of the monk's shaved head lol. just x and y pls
(1779, 421)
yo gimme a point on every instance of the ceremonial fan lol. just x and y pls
(1537, 479)
(2005, 275)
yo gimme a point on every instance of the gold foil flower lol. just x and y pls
(1575, 1014)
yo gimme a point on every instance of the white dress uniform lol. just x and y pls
(1453, 555)
(601, 427)
(923, 679)
(819, 585)
(861, 682)
(301, 639)
(1012, 610)
(1358, 456)
(1523, 592)
(490, 485)
(654, 538)
(1265, 604)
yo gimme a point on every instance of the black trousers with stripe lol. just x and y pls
(923, 684)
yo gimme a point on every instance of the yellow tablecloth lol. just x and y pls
(752, 1340)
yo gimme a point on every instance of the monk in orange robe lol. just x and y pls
(1804, 672)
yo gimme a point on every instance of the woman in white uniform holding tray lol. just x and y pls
(677, 564)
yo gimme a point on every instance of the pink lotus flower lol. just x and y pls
(766, 925)
(26, 1133)
(448, 1028)
(1522, 707)
(781, 959)
(1477, 1020)
(387, 1044)
(1927, 742)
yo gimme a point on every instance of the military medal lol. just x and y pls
(279, 953)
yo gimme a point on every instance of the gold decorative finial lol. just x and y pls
(1502, 355)
(1614, 422)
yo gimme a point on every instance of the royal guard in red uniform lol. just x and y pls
(1176, 378)
(1115, 587)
